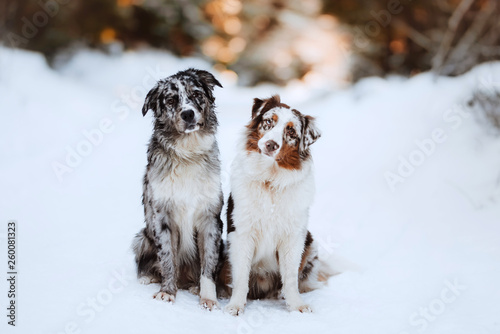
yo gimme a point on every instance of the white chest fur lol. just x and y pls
(271, 204)
(188, 189)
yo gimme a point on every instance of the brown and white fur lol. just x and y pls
(272, 186)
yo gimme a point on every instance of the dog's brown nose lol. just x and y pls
(271, 146)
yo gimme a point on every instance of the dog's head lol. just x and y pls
(183, 102)
(280, 133)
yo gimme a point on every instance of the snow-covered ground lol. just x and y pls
(407, 191)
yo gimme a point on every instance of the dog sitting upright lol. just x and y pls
(182, 195)
(272, 187)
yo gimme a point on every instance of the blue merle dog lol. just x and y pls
(182, 196)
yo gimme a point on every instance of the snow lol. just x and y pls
(421, 256)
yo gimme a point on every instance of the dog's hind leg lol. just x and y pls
(209, 243)
(310, 276)
(146, 258)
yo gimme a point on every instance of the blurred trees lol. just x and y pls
(271, 40)
(407, 37)
(274, 40)
(94, 23)
(258, 39)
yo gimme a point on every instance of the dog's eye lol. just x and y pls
(197, 94)
(268, 124)
(170, 102)
(291, 132)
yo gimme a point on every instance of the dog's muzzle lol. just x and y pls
(188, 116)
(271, 147)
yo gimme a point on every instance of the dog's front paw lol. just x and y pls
(208, 304)
(234, 309)
(164, 296)
(301, 308)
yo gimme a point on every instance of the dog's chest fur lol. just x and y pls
(272, 205)
(186, 185)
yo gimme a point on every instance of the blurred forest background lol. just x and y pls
(317, 41)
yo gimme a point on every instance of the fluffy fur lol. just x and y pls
(272, 186)
(182, 196)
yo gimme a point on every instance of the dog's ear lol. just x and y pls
(310, 133)
(265, 105)
(257, 107)
(208, 81)
(151, 101)
(207, 78)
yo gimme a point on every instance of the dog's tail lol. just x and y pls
(335, 265)
(146, 258)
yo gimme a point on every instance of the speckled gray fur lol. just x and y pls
(182, 196)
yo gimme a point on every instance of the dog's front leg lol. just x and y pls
(241, 251)
(165, 240)
(209, 239)
(289, 254)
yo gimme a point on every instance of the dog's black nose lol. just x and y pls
(271, 146)
(187, 116)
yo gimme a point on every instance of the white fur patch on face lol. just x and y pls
(186, 103)
(280, 118)
(196, 128)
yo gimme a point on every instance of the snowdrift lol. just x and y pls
(407, 196)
